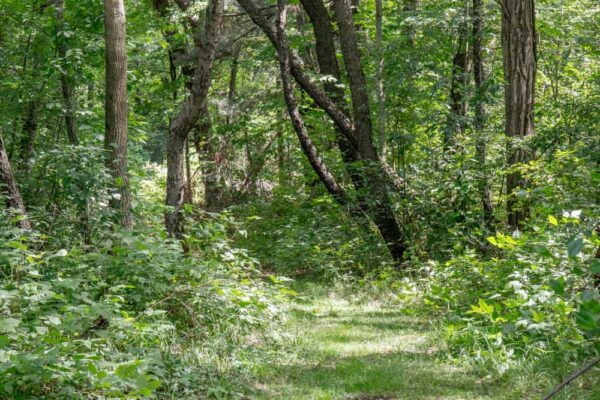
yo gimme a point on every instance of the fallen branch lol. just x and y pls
(571, 378)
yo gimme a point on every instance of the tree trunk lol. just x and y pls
(359, 135)
(377, 201)
(379, 77)
(232, 86)
(8, 184)
(205, 146)
(479, 123)
(30, 121)
(188, 197)
(115, 140)
(520, 62)
(67, 90)
(410, 6)
(188, 116)
(308, 147)
(461, 67)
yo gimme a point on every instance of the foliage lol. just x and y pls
(122, 319)
(534, 297)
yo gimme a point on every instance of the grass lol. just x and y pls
(371, 350)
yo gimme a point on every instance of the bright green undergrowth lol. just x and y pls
(375, 347)
(133, 317)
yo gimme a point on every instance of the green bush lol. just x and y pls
(131, 318)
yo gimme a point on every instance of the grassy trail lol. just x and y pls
(371, 350)
(365, 352)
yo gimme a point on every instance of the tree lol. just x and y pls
(373, 174)
(520, 62)
(8, 184)
(480, 117)
(461, 68)
(306, 143)
(188, 116)
(65, 79)
(379, 77)
(115, 139)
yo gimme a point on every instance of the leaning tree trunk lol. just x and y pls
(359, 135)
(67, 90)
(188, 116)
(479, 123)
(378, 202)
(306, 143)
(519, 56)
(328, 65)
(8, 184)
(115, 139)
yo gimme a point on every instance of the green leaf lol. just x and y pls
(552, 220)
(4, 341)
(575, 246)
(9, 325)
(127, 371)
(558, 285)
(493, 241)
(595, 267)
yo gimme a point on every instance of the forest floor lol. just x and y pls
(365, 351)
(374, 350)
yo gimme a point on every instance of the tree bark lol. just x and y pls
(461, 68)
(308, 147)
(204, 142)
(30, 121)
(328, 65)
(410, 6)
(188, 116)
(115, 140)
(65, 80)
(480, 118)
(377, 202)
(379, 77)
(9, 185)
(520, 62)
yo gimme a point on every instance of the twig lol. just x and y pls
(571, 378)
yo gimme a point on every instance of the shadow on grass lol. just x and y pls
(358, 354)
(394, 375)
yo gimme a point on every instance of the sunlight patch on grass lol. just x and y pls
(365, 351)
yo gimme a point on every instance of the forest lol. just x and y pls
(300, 199)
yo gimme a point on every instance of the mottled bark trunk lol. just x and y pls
(309, 149)
(115, 140)
(519, 56)
(65, 79)
(188, 197)
(188, 116)
(9, 186)
(479, 123)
